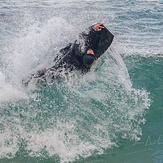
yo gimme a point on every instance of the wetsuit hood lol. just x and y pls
(88, 59)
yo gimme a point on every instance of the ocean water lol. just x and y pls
(113, 114)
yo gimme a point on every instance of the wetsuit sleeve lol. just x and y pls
(91, 38)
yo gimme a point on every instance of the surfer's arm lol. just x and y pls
(93, 36)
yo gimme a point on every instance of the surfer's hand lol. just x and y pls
(98, 26)
(90, 51)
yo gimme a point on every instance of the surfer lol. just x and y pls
(80, 55)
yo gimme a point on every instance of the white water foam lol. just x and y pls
(40, 45)
(9, 92)
(90, 114)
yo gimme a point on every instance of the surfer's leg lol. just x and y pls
(38, 77)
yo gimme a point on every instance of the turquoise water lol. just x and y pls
(112, 114)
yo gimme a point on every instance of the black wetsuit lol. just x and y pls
(74, 55)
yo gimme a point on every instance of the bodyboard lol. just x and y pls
(105, 41)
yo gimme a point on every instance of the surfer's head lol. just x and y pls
(89, 57)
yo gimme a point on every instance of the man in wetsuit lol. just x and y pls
(80, 55)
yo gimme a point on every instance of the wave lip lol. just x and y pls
(80, 117)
